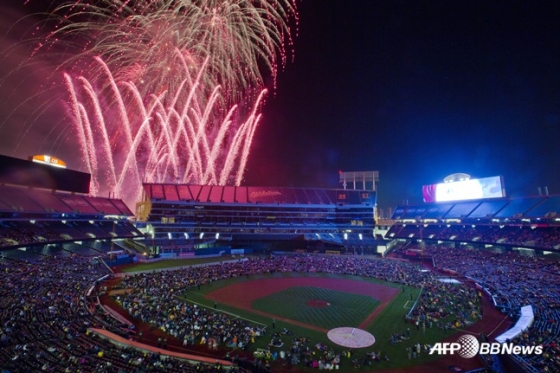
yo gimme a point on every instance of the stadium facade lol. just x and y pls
(531, 223)
(181, 218)
(44, 208)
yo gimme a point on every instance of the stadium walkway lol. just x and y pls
(144, 347)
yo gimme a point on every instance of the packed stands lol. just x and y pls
(500, 244)
(72, 270)
(46, 316)
(46, 313)
(514, 281)
(527, 236)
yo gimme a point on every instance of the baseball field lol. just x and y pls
(308, 305)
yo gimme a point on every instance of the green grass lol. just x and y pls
(171, 263)
(344, 309)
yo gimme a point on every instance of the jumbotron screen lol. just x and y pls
(487, 187)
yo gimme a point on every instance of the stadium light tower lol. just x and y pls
(367, 178)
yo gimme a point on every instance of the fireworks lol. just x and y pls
(168, 90)
(158, 143)
(239, 40)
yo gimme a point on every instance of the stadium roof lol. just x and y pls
(251, 194)
(25, 200)
(539, 207)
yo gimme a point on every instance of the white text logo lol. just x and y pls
(467, 346)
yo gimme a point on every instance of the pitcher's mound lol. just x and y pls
(351, 337)
(317, 303)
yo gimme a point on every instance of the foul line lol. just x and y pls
(222, 311)
(406, 304)
(464, 331)
(501, 322)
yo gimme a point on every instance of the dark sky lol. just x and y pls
(416, 90)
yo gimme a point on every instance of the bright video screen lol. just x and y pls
(488, 187)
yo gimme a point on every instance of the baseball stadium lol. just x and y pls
(168, 201)
(210, 278)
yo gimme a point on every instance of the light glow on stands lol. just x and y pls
(186, 235)
(115, 218)
(488, 187)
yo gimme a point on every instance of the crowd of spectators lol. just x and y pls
(526, 236)
(446, 306)
(514, 281)
(45, 313)
(24, 232)
(45, 316)
(12, 233)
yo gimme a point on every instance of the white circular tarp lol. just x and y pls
(351, 337)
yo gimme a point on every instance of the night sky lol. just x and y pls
(416, 90)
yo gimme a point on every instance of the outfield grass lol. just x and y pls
(343, 309)
(171, 263)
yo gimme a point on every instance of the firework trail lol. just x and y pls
(161, 143)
